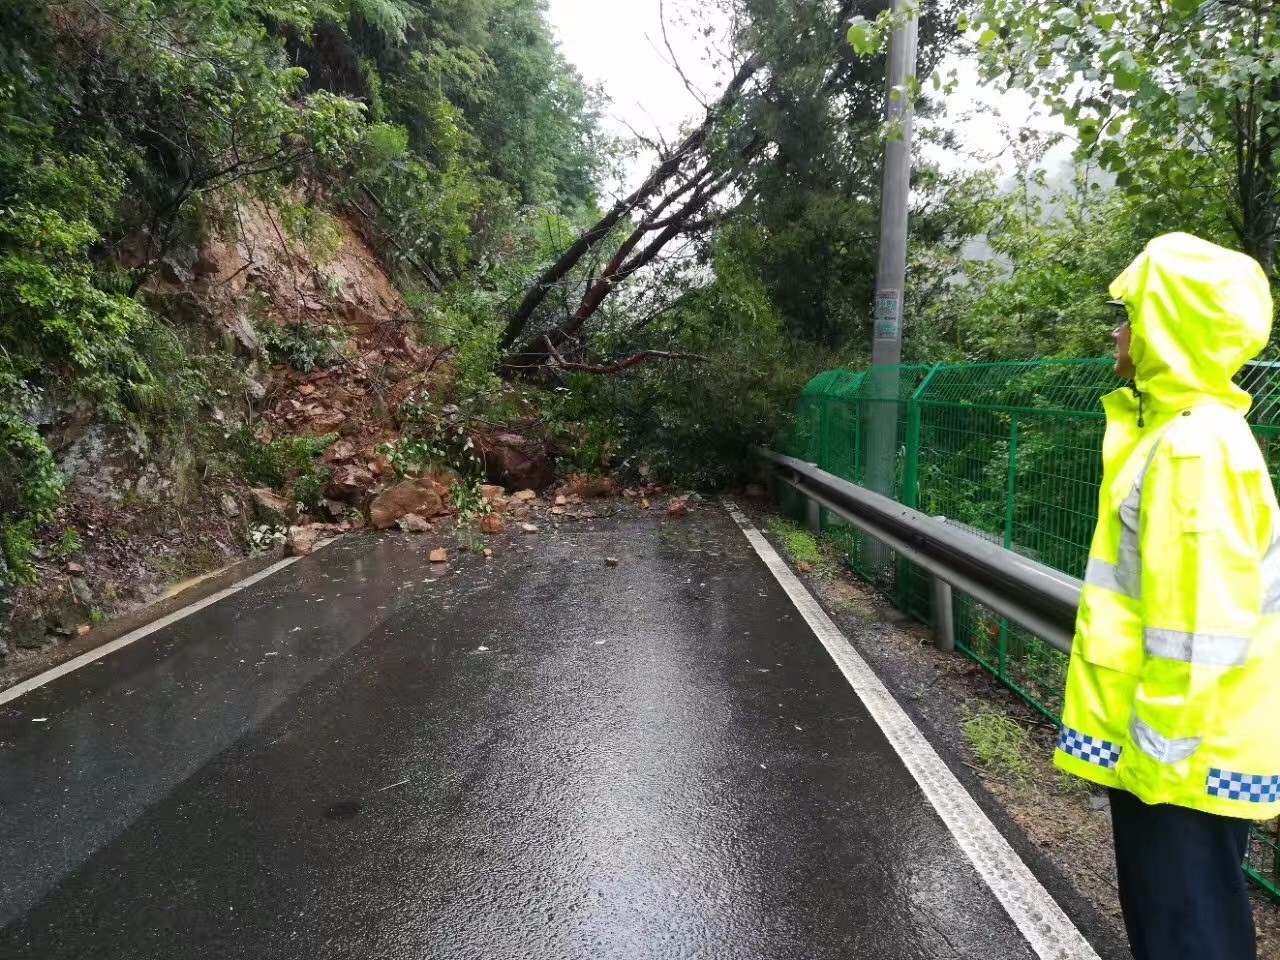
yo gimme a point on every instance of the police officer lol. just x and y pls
(1173, 695)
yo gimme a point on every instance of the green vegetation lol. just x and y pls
(1178, 99)
(470, 502)
(302, 347)
(1001, 744)
(69, 545)
(279, 462)
(801, 545)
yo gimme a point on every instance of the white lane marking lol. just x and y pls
(1046, 927)
(40, 679)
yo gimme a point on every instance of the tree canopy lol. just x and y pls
(1179, 99)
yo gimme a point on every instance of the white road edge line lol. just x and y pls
(40, 679)
(1037, 915)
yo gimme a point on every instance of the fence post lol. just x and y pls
(911, 466)
(1010, 492)
(911, 460)
(1011, 483)
(911, 477)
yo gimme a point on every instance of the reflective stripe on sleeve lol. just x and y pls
(1211, 649)
(1160, 748)
(1106, 575)
(1124, 578)
(1125, 575)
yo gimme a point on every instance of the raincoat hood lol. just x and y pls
(1198, 313)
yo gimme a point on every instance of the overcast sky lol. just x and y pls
(619, 44)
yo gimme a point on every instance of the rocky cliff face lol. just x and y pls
(309, 359)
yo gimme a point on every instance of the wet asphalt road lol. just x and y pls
(541, 757)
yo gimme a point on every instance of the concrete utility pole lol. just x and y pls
(886, 346)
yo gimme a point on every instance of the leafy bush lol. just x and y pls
(30, 483)
(280, 462)
(413, 456)
(302, 347)
(433, 446)
(469, 500)
(265, 538)
(69, 544)
(308, 489)
(19, 548)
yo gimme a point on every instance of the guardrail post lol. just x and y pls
(813, 515)
(944, 622)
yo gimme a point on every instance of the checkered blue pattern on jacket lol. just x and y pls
(1250, 788)
(1093, 750)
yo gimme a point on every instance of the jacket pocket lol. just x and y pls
(1109, 631)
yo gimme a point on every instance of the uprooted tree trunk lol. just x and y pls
(634, 254)
(668, 184)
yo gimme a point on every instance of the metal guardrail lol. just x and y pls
(1041, 599)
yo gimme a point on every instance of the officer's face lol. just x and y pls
(1124, 363)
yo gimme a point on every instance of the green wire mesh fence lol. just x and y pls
(1012, 453)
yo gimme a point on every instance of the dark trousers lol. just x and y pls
(1182, 888)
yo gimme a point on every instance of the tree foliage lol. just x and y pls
(1023, 272)
(1180, 99)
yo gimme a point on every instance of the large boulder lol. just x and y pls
(495, 496)
(350, 483)
(271, 508)
(323, 423)
(301, 541)
(411, 496)
(516, 462)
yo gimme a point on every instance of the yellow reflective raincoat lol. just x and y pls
(1173, 693)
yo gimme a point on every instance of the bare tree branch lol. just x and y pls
(675, 61)
(609, 369)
